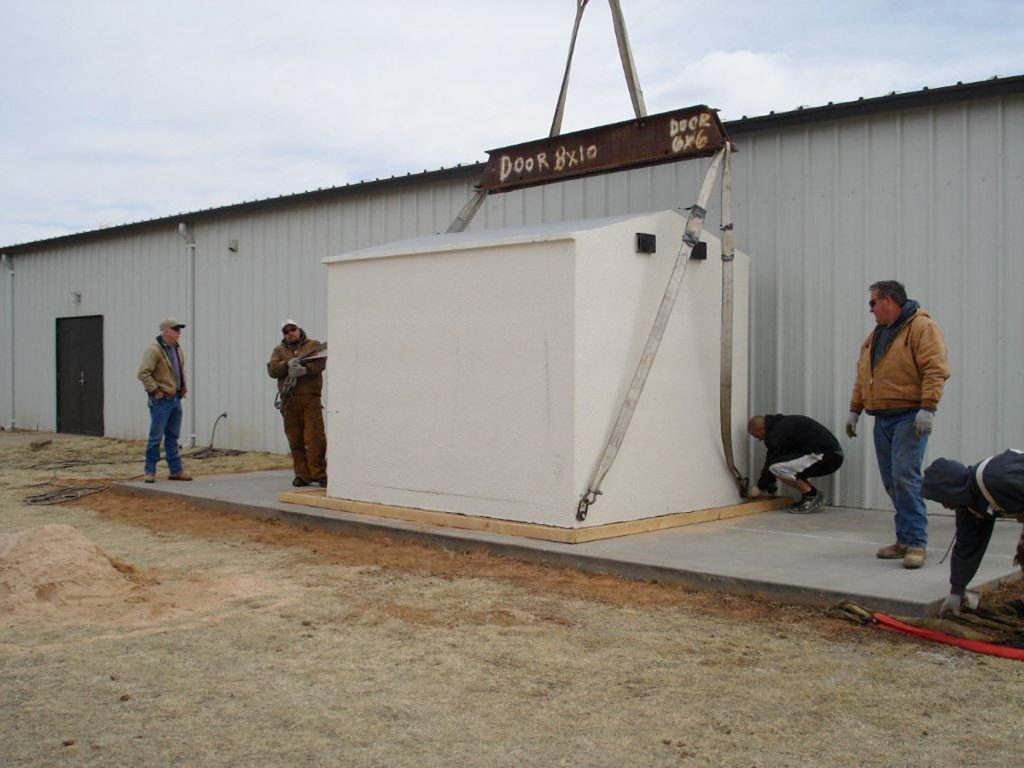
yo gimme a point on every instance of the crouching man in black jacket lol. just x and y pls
(798, 448)
(980, 494)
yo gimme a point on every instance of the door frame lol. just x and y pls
(103, 419)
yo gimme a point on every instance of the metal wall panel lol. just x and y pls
(932, 197)
(134, 280)
(129, 280)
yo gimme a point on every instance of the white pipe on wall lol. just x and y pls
(190, 303)
(6, 261)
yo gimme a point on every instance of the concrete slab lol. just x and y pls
(810, 559)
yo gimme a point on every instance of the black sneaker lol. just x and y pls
(808, 503)
(298, 482)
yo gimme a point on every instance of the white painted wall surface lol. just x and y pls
(452, 380)
(481, 373)
(672, 458)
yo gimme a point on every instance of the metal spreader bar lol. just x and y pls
(469, 210)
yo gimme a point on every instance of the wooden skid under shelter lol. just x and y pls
(317, 497)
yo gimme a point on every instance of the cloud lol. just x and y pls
(753, 83)
(120, 111)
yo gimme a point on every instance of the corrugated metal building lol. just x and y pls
(925, 187)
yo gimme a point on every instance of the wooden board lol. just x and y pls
(317, 497)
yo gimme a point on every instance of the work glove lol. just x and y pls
(923, 423)
(295, 368)
(851, 424)
(951, 604)
(753, 492)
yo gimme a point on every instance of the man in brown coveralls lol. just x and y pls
(302, 411)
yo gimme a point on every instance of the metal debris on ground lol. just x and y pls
(68, 464)
(62, 495)
(996, 630)
(209, 453)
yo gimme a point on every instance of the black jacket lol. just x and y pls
(950, 482)
(790, 437)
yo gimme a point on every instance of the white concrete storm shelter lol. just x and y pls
(480, 373)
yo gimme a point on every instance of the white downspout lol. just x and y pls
(190, 310)
(6, 261)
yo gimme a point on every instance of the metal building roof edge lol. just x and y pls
(982, 89)
(891, 102)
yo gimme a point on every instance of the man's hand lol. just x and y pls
(295, 368)
(851, 424)
(923, 423)
(951, 604)
(158, 394)
(753, 492)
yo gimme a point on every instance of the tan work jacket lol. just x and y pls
(277, 368)
(156, 372)
(910, 373)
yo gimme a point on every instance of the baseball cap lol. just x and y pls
(171, 322)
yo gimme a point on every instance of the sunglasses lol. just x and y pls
(290, 329)
(871, 304)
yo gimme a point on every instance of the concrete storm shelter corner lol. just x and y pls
(480, 373)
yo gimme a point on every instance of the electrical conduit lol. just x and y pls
(190, 312)
(6, 261)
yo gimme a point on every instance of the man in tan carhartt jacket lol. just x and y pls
(162, 373)
(301, 408)
(900, 374)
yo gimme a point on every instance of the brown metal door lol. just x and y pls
(80, 375)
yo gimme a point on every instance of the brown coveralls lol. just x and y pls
(302, 411)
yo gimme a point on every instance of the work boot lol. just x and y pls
(322, 482)
(298, 482)
(914, 557)
(179, 476)
(149, 478)
(892, 552)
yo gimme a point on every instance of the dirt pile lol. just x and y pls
(53, 573)
(54, 570)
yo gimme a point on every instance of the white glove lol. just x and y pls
(923, 422)
(295, 368)
(753, 492)
(851, 424)
(951, 604)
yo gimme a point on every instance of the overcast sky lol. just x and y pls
(119, 111)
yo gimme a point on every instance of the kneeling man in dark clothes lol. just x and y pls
(980, 494)
(798, 448)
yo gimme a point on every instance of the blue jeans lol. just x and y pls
(900, 454)
(164, 424)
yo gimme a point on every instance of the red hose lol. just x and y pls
(978, 646)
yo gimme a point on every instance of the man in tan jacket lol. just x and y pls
(162, 373)
(900, 374)
(301, 407)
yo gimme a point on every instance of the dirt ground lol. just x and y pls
(233, 642)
